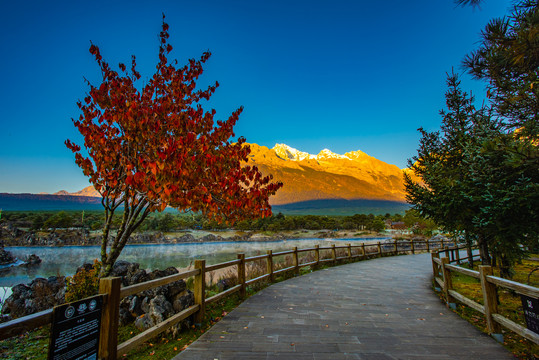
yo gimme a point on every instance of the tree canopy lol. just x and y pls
(156, 147)
(508, 60)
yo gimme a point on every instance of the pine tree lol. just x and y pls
(508, 60)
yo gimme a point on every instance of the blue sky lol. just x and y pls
(343, 75)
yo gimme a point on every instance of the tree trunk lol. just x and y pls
(114, 252)
(506, 269)
(483, 250)
(469, 251)
(131, 219)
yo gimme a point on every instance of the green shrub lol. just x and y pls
(83, 284)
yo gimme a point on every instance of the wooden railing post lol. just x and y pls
(200, 291)
(109, 317)
(241, 275)
(490, 300)
(412, 246)
(349, 251)
(296, 261)
(457, 255)
(379, 249)
(269, 266)
(428, 247)
(442, 244)
(334, 254)
(317, 254)
(448, 282)
(363, 253)
(396, 247)
(433, 255)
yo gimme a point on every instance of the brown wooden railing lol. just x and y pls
(442, 269)
(113, 293)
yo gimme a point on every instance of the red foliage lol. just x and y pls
(157, 147)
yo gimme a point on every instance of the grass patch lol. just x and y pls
(510, 306)
(32, 345)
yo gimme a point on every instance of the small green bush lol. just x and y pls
(83, 284)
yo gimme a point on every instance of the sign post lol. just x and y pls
(75, 330)
(531, 312)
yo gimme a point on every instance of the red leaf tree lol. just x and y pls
(149, 149)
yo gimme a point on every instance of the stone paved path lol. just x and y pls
(377, 309)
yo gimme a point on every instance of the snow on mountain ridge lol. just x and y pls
(289, 153)
(328, 154)
(286, 152)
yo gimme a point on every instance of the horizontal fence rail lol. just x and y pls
(27, 323)
(114, 293)
(137, 288)
(442, 269)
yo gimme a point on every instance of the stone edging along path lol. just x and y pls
(378, 309)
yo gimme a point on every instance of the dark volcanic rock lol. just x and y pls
(148, 238)
(187, 238)
(6, 257)
(32, 260)
(153, 305)
(211, 238)
(86, 267)
(121, 268)
(137, 277)
(41, 294)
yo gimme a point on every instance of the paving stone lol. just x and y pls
(381, 309)
(289, 356)
(275, 347)
(377, 356)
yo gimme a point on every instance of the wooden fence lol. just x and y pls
(442, 269)
(113, 293)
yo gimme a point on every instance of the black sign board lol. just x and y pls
(75, 330)
(531, 312)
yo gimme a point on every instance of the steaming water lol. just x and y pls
(65, 260)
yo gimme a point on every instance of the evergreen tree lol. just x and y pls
(508, 60)
(505, 185)
(443, 194)
(508, 166)
(478, 179)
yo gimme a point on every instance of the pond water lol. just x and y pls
(58, 261)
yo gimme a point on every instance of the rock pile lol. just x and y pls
(146, 309)
(151, 306)
(41, 294)
(32, 260)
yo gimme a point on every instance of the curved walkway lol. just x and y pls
(377, 309)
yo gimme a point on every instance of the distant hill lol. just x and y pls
(28, 202)
(340, 207)
(87, 191)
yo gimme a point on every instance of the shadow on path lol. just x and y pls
(376, 309)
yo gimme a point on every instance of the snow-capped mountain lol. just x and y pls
(327, 175)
